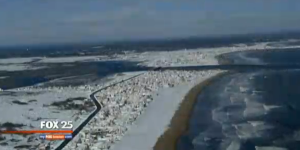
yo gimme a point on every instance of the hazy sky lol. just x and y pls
(58, 21)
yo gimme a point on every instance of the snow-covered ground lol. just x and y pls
(24, 109)
(122, 103)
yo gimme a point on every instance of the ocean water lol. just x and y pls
(248, 109)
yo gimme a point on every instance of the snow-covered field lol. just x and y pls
(122, 103)
(24, 109)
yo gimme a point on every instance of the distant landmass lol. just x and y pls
(87, 49)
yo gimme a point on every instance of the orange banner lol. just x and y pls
(36, 131)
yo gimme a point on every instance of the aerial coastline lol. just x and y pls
(122, 103)
(152, 75)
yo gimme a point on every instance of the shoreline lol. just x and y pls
(180, 120)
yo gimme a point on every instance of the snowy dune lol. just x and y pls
(125, 102)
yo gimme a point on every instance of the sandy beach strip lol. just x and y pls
(179, 123)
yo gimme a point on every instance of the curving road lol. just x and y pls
(85, 122)
(92, 115)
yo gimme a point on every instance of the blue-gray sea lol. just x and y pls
(248, 109)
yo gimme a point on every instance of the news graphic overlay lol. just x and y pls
(49, 130)
(50, 125)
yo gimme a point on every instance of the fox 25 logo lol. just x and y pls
(56, 124)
